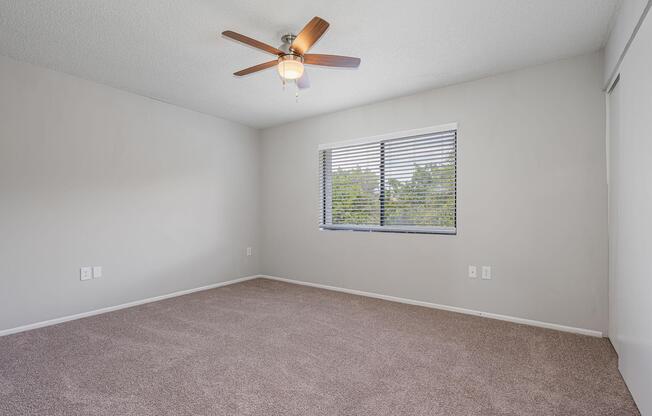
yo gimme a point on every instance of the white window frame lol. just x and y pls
(325, 195)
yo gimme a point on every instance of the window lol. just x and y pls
(403, 182)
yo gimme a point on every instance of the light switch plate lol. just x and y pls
(97, 272)
(248, 251)
(486, 272)
(85, 273)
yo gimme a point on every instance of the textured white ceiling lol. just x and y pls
(171, 49)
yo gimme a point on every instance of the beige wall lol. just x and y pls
(532, 199)
(163, 198)
(167, 199)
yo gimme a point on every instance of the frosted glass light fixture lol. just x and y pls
(290, 67)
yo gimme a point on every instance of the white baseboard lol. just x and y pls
(55, 321)
(117, 307)
(523, 321)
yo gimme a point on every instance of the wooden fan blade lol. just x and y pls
(331, 60)
(309, 35)
(252, 42)
(255, 68)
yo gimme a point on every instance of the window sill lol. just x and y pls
(391, 229)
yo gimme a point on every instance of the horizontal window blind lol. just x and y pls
(405, 184)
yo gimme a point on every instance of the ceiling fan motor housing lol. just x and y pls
(287, 41)
(290, 64)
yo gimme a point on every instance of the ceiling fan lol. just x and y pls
(292, 55)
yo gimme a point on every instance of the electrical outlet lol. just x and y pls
(85, 273)
(248, 251)
(486, 272)
(97, 272)
(473, 272)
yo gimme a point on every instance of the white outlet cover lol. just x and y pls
(97, 272)
(486, 272)
(85, 273)
(248, 251)
(473, 272)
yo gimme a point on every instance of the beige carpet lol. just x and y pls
(269, 348)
